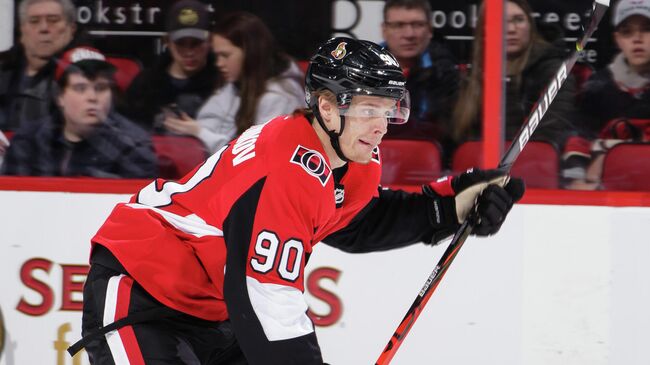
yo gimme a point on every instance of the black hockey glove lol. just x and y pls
(484, 196)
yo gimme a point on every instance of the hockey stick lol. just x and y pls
(519, 142)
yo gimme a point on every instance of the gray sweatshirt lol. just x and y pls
(283, 95)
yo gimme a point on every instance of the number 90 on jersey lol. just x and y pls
(273, 254)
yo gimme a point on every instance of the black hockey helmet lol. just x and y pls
(349, 67)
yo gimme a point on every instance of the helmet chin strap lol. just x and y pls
(334, 137)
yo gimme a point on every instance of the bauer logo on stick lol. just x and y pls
(312, 162)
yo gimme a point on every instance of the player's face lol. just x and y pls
(45, 30)
(190, 54)
(407, 32)
(633, 38)
(518, 27)
(85, 103)
(365, 125)
(230, 58)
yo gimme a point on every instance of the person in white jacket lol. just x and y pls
(260, 82)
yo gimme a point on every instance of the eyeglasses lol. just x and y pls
(400, 26)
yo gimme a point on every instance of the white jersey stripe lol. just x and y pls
(192, 224)
(280, 309)
(113, 338)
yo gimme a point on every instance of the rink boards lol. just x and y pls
(558, 285)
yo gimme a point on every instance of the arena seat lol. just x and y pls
(409, 162)
(627, 167)
(304, 65)
(538, 164)
(581, 72)
(127, 69)
(177, 155)
(8, 134)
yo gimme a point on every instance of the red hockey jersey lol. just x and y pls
(231, 239)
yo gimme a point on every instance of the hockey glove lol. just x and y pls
(490, 194)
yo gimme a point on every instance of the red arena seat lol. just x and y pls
(538, 164)
(126, 70)
(581, 72)
(409, 162)
(178, 155)
(627, 167)
(8, 134)
(304, 65)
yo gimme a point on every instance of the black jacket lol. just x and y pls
(433, 84)
(603, 99)
(23, 98)
(27, 99)
(154, 88)
(561, 120)
(117, 149)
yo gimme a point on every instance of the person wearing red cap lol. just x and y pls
(84, 136)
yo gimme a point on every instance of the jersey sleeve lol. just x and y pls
(390, 220)
(268, 233)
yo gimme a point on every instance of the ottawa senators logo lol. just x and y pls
(340, 51)
(312, 162)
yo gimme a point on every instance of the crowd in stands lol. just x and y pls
(219, 75)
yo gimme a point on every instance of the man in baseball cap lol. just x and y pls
(85, 135)
(184, 75)
(82, 59)
(615, 101)
(632, 35)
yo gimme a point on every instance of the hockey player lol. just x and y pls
(209, 269)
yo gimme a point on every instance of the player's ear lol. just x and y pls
(328, 110)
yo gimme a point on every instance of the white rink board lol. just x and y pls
(558, 285)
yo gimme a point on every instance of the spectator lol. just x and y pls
(616, 99)
(531, 62)
(184, 76)
(621, 89)
(47, 27)
(261, 83)
(84, 137)
(431, 69)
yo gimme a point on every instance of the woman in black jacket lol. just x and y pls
(531, 64)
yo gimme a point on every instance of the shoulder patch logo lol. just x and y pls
(340, 51)
(312, 162)
(375, 155)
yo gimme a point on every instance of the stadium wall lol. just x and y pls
(562, 283)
